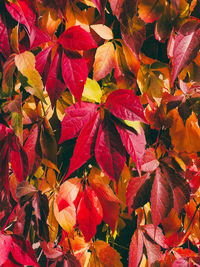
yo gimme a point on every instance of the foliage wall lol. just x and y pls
(99, 133)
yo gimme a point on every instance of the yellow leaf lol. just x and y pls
(14, 42)
(25, 62)
(104, 60)
(52, 222)
(92, 91)
(134, 124)
(103, 31)
(50, 21)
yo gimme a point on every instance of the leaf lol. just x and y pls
(77, 116)
(125, 105)
(134, 143)
(23, 252)
(75, 38)
(74, 72)
(149, 10)
(89, 213)
(134, 33)
(161, 198)
(179, 186)
(186, 46)
(100, 5)
(104, 61)
(103, 31)
(5, 247)
(153, 252)
(171, 224)
(4, 45)
(107, 255)
(25, 63)
(184, 138)
(149, 162)
(121, 9)
(92, 91)
(30, 148)
(54, 86)
(109, 151)
(138, 192)
(107, 198)
(84, 148)
(19, 162)
(136, 249)
(156, 234)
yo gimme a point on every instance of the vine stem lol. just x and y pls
(7, 221)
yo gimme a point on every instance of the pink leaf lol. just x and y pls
(84, 148)
(89, 213)
(161, 198)
(134, 143)
(138, 192)
(100, 5)
(53, 85)
(109, 151)
(153, 252)
(156, 235)
(75, 38)
(75, 119)
(5, 246)
(186, 46)
(149, 161)
(4, 44)
(136, 249)
(74, 72)
(125, 105)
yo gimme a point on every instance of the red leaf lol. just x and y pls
(19, 162)
(30, 148)
(179, 186)
(134, 144)
(5, 246)
(161, 198)
(125, 105)
(109, 151)
(22, 251)
(138, 192)
(43, 62)
(75, 38)
(74, 72)
(84, 148)
(4, 44)
(109, 202)
(186, 46)
(75, 119)
(89, 213)
(136, 249)
(53, 85)
(181, 263)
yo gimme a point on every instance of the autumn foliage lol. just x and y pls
(100, 133)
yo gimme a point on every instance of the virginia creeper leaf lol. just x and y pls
(76, 38)
(76, 118)
(138, 192)
(124, 104)
(84, 148)
(136, 249)
(5, 246)
(74, 72)
(104, 60)
(134, 143)
(186, 46)
(109, 151)
(89, 213)
(161, 198)
(153, 251)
